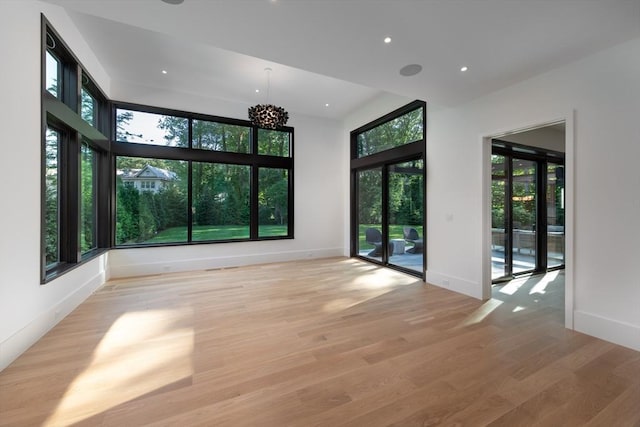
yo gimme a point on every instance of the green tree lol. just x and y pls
(273, 196)
(87, 200)
(402, 130)
(273, 142)
(123, 118)
(370, 196)
(87, 107)
(176, 129)
(127, 212)
(51, 197)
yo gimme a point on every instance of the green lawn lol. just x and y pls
(395, 232)
(220, 232)
(231, 232)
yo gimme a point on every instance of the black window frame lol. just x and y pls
(190, 154)
(63, 113)
(416, 150)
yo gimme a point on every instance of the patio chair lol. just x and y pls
(411, 235)
(373, 236)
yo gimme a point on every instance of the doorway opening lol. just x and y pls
(530, 210)
(555, 134)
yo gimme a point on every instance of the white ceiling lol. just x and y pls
(332, 51)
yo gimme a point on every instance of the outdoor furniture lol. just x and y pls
(373, 236)
(398, 246)
(411, 235)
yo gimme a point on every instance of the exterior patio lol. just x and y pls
(402, 256)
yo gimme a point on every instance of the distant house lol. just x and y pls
(149, 178)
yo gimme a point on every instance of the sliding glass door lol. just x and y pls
(555, 215)
(369, 241)
(500, 213)
(523, 212)
(394, 235)
(527, 210)
(405, 231)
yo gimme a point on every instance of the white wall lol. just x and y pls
(28, 309)
(604, 92)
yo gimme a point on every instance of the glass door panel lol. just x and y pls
(523, 211)
(499, 213)
(555, 215)
(370, 214)
(406, 213)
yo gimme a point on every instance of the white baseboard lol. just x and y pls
(620, 333)
(146, 268)
(19, 342)
(456, 284)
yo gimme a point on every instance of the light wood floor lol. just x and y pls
(319, 343)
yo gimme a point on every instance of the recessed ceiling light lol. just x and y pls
(173, 1)
(164, 71)
(410, 70)
(326, 105)
(257, 90)
(387, 40)
(463, 69)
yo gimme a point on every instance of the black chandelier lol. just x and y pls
(267, 115)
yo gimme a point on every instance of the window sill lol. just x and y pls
(63, 268)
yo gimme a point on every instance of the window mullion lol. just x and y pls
(73, 190)
(189, 201)
(253, 205)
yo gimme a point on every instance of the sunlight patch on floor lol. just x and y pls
(341, 304)
(382, 278)
(539, 288)
(142, 352)
(480, 313)
(512, 287)
(371, 284)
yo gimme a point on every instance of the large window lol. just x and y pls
(185, 178)
(388, 176)
(74, 158)
(161, 177)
